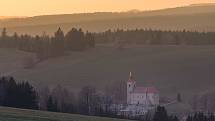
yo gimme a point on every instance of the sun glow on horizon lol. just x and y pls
(44, 7)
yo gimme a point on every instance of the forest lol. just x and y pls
(155, 37)
(45, 46)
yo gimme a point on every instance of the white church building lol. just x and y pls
(139, 99)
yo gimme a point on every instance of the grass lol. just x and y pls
(172, 69)
(12, 114)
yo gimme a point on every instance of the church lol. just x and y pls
(140, 99)
(139, 95)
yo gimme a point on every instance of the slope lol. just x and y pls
(172, 69)
(194, 17)
(13, 114)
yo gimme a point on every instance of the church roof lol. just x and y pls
(145, 90)
(142, 89)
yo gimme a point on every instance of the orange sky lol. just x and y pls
(41, 7)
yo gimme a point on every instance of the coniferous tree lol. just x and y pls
(179, 97)
(173, 118)
(15, 40)
(58, 43)
(90, 40)
(4, 37)
(160, 114)
(75, 40)
(19, 95)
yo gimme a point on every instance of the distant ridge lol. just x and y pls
(203, 4)
(10, 17)
(134, 11)
(196, 17)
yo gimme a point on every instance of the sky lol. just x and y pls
(45, 7)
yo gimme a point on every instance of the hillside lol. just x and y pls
(81, 17)
(7, 18)
(172, 69)
(194, 22)
(12, 114)
(193, 17)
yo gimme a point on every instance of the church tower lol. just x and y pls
(131, 84)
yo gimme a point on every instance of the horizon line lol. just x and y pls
(5, 17)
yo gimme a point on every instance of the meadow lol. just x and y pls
(188, 70)
(13, 114)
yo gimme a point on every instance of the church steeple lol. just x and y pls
(131, 84)
(130, 79)
(130, 76)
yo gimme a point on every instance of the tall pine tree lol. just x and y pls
(58, 43)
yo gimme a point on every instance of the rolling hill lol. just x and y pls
(193, 17)
(172, 69)
(13, 114)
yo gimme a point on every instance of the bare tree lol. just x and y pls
(86, 100)
(44, 93)
(64, 98)
(117, 90)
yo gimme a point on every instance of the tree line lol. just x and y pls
(162, 115)
(199, 116)
(76, 40)
(155, 37)
(88, 101)
(203, 102)
(46, 46)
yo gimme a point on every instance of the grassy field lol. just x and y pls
(172, 69)
(12, 114)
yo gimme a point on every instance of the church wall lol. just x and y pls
(140, 98)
